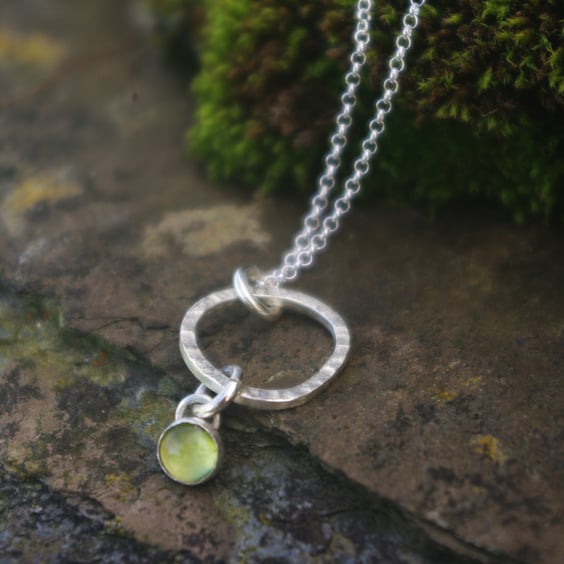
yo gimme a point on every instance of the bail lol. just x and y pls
(190, 449)
(267, 308)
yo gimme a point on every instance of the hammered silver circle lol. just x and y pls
(260, 398)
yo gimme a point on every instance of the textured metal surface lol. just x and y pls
(246, 293)
(260, 398)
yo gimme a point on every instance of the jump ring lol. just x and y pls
(195, 399)
(265, 308)
(224, 398)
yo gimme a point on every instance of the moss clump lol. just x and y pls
(478, 115)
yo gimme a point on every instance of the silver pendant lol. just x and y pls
(189, 450)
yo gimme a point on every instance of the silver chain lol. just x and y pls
(319, 224)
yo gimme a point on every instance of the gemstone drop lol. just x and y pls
(188, 452)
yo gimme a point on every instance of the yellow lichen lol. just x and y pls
(444, 396)
(473, 383)
(115, 526)
(126, 491)
(489, 446)
(49, 187)
(31, 50)
(203, 232)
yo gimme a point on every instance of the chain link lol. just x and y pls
(319, 224)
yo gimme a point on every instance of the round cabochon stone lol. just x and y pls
(188, 452)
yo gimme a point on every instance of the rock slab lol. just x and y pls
(450, 408)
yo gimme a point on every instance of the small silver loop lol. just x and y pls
(266, 308)
(193, 400)
(223, 398)
(231, 371)
(188, 401)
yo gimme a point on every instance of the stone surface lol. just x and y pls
(453, 395)
(38, 522)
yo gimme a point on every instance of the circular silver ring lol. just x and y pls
(267, 309)
(260, 398)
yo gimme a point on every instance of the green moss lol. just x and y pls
(33, 335)
(477, 116)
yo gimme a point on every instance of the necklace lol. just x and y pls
(190, 450)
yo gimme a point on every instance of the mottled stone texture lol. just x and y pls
(446, 422)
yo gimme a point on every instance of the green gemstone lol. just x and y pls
(188, 453)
